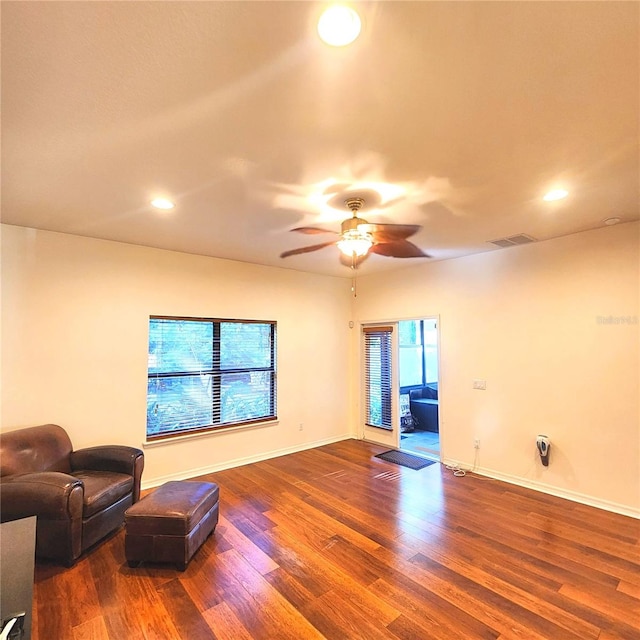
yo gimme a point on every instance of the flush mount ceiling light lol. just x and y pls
(611, 221)
(339, 25)
(555, 194)
(162, 203)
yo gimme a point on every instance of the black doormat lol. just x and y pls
(405, 459)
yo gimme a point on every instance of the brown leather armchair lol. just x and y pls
(78, 496)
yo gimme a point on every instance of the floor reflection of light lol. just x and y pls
(417, 498)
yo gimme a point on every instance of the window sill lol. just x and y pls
(160, 442)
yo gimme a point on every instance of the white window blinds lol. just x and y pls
(377, 347)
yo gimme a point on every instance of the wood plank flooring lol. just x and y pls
(334, 543)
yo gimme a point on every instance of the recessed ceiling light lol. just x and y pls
(162, 203)
(611, 221)
(339, 25)
(555, 194)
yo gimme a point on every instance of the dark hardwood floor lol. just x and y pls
(334, 543)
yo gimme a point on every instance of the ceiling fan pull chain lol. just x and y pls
(354, 266)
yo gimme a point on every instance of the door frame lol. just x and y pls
(377, 435)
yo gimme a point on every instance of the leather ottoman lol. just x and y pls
(170, 524)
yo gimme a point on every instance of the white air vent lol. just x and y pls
(512, 241)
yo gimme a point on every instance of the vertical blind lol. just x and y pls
(377, 349)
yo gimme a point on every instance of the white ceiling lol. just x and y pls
(237, 112)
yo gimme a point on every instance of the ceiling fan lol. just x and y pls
(358, 239)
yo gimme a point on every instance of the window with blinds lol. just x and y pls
(377, 348)
(206, 374)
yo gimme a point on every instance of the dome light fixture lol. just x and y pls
(339, 25)
(162, 203)
(555, 194)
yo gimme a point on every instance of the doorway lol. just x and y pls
(419, 380)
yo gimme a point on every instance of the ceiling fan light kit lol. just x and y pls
(355, 242)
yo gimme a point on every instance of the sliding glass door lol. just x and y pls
(419, 377)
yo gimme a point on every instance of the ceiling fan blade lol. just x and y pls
(311, 230)
(399, 249)
(349, 261)
(309, 249)
(390, 232)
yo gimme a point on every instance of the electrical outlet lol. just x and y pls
(476, 443)
(480, 384)
(301, 427)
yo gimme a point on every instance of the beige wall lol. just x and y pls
(74, 351)
(75, 315)
(528, 320)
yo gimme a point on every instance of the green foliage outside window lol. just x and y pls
(205, 374)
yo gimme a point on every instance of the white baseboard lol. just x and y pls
(238, 462)
(567, 494)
